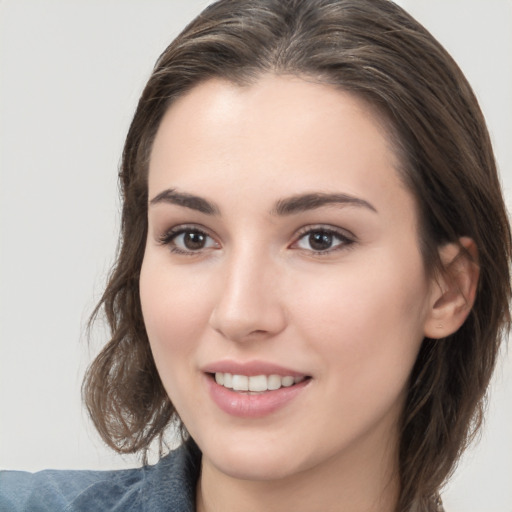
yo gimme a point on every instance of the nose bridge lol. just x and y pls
(248, 301)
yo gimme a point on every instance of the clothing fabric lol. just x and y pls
(169, 485)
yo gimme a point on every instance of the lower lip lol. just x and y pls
(245, 405)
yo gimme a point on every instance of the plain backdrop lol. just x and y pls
(71, 72)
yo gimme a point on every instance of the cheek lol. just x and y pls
(367, 321)
(174, 306)
(172, 311)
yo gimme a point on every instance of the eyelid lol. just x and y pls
(347, 238)
(172, 233)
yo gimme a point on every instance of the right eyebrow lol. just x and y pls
(171, 196)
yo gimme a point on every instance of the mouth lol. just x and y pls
(254, 389)
(256, 384)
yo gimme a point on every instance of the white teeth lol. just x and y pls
(257, 383)
(240, 383)
(228, 380)
(288, 381)
(274, 382)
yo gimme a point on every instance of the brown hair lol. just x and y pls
(375, 50)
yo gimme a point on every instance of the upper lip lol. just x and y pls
(250, 368)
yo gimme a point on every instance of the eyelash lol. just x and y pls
(345, 241)
(170, 236)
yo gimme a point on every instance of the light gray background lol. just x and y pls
(71, 72)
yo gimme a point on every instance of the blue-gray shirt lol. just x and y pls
(170, 485)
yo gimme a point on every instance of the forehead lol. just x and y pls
(281, 132)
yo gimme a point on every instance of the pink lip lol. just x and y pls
(250, 368)
(246, 404)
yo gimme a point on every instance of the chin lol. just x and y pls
(256, 470)
(254, 460)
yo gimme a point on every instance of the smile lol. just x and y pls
(256, 383)
(254, 396)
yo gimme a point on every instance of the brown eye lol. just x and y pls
(182, 240)
(322, 240)
(194, 240)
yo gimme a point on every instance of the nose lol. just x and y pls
(249, 305)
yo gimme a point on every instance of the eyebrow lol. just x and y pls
(288, 206)
(304, 202)
(191, 201)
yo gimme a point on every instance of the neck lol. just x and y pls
(365, 480)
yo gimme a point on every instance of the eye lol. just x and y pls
(322, 240)
(188, 240)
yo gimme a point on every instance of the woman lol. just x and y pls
(314, 268)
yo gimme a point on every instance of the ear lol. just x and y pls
(453, 288)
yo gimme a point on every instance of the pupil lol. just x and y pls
(320, 240)
(194, 240)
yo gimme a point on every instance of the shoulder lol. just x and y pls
(168, 485)
(54, 490)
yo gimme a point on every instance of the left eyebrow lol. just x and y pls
(311, 201)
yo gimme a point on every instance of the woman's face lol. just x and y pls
(282, 249)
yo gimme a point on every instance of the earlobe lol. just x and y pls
(453, 288)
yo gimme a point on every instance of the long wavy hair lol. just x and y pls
(376, 51)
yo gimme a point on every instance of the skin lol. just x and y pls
(351, 317)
